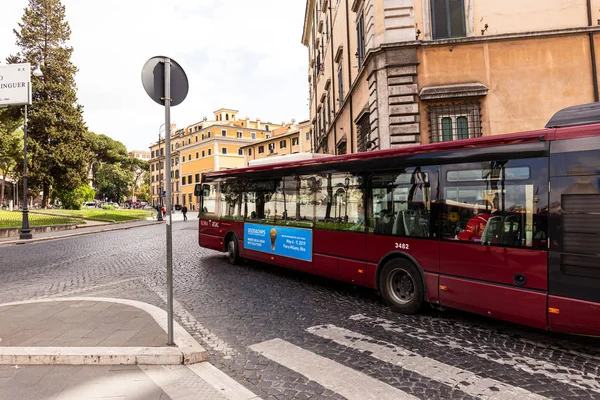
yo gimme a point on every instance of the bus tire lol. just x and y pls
(233, 251)
(401, 285)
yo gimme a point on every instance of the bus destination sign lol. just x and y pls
(279, 240)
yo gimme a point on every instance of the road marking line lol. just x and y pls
(181, 382)
(345, 381)
(456, 378)
(190, 323)
(519, 362)
(227, 386)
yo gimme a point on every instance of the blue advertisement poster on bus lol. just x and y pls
(279, 240)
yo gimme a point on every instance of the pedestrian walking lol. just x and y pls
(184, 212)
(164, 211)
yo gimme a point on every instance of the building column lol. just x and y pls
(393, 106)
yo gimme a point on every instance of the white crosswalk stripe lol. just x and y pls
(336, 377)
(584, 380)
(454, 377)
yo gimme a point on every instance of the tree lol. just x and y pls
(103, 149)
(143, 193)
(11, 145)
(56, 128)
(74, 199)
(113, 181)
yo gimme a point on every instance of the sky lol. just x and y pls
(240, 54)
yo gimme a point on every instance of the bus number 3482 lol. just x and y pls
(403, 246)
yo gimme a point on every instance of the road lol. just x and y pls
(285, 334)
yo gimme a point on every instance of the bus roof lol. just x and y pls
(541, 135)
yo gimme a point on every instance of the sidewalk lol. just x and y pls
(95, 348)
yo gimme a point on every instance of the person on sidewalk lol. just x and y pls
(164, 211)
(184, 212)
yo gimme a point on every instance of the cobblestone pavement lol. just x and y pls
(243, 314)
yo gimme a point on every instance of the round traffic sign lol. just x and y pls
(153, 79)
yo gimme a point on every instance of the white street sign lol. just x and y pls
(15, 84)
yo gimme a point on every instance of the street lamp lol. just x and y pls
(25, 229)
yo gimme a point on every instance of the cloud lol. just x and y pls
(237, 53)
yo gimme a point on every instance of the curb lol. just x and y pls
(90, 356)
(186, 350)
(79, 233)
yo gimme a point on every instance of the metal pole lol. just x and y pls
(25, 229)
(159, 201)
(168, 180)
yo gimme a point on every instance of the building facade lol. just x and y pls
(140, 154)
(288, 139)
(208, 145)
(392, 73)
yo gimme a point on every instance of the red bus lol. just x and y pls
(506, 226)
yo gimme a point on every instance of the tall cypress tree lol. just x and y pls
(58, 147)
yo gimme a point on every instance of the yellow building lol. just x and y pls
(204, 146)
(288, 139)
(392, 73)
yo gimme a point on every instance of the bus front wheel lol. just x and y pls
(233, 251)
(401, 286)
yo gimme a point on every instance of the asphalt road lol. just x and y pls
(286, 335)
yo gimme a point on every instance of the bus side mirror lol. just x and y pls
(198, 190)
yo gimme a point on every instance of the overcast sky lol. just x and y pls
(240, 54)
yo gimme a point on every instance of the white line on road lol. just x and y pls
(189, 322)
(580, 379)
(222, 382)
(456, 378)
(345, 381)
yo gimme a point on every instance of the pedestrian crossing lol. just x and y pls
(495, 383)
(521, 362)
(461, 379)
(334, 376)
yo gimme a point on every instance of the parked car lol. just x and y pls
(89, 204)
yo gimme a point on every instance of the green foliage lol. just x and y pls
(108, 207)
(74, 199)
(143, 193)
(87, 193)
(104, 149)
(11, 145)
(113, 181)
(59, 156)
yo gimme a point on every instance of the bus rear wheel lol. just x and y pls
(401, 286)
(233, 251)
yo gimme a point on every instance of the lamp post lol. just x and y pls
(25, 229)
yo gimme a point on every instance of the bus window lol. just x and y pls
(232, 192)
(496, 205)
(335, 200)
(260, 201)
(209, 198)
(401, 203)
(292, 201)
